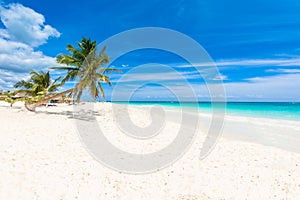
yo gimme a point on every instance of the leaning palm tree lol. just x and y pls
(85, 65)
(76, 57)
(39, 83)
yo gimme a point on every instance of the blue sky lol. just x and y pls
(255, 44)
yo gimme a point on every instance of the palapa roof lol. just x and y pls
(21, 95)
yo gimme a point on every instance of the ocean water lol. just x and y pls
(274, 110)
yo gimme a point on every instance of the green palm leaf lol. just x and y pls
(86, 66)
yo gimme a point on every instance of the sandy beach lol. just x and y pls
(42, 157)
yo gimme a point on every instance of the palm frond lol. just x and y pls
(101, 89)
(65, 68)
(110, 70)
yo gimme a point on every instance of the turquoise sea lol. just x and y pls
(274, 110)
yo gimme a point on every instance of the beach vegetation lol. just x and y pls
(39, 84)
(85, 66)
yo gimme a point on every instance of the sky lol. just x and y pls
(255, 44)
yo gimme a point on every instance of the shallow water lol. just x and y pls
(273, 110)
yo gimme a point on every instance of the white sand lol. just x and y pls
(41, 157)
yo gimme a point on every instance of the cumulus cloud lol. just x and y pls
(9, 78)
(19, 57)
(24, 30)
(25, 25)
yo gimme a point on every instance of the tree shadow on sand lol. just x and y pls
(85, 115)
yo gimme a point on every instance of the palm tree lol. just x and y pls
(75, 59)
(39, 83)
(92, 73)
(85, 65)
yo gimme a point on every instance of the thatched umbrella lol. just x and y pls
(20, 95)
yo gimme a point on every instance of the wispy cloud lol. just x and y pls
(280, 62)
(168, 76)
(283, 87)
(260, 62)
(287, 71)
(220, 77)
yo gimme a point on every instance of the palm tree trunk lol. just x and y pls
(31, 107)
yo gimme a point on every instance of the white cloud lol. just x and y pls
(124, 65)
(24, 30)
(20, 57)
(280, 62)
(281, 87)
(261, 62)
(155, 74)
(4, 33)
(220, 77)
(166, 91)
(288, 71)
(9, 78)
(284, 87)
(25, 25)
